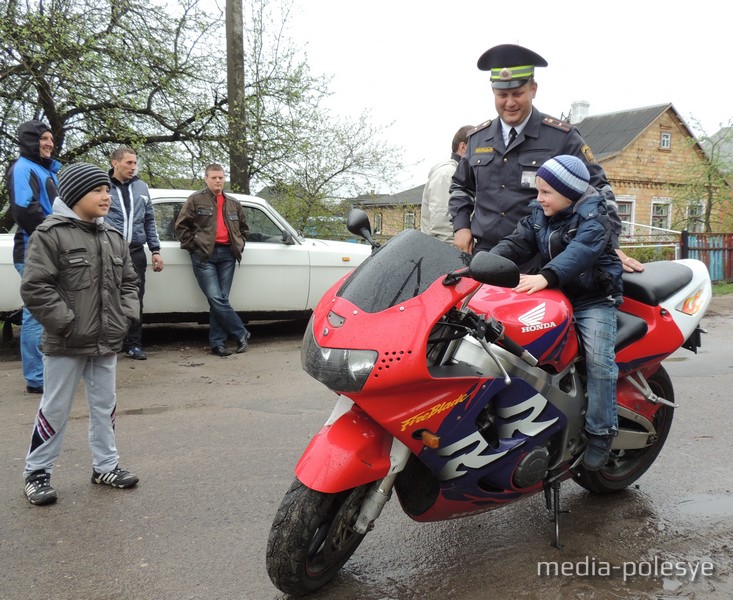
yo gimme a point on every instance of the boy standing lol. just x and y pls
(569, 230)
(79, 282)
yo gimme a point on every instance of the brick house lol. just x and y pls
(647, 153)
(650, 157)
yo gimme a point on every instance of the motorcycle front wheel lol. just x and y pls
(626, 466)
(312, 537)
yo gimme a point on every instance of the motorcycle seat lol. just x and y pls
(629, 328)
(658, 280)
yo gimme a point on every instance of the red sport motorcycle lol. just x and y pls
(462, 395)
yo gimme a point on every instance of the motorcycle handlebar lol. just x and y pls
(494, 332)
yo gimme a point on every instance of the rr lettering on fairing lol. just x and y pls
(469, 451)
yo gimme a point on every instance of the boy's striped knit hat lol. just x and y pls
(77, 180)
(567, 175)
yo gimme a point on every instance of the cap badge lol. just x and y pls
(506, 74)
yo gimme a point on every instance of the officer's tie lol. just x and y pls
(512, 136)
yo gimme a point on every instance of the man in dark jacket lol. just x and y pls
(213, 228)
(495, 180)
(131, 213)
(32, 186)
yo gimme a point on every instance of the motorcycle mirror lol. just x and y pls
(493, 269)
(357, 222)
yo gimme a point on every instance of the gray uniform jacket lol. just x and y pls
(493, 185)
(80, 284)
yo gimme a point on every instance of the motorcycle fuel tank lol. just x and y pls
(541, 323)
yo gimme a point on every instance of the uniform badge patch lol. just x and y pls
(485, 150)
(588, 154)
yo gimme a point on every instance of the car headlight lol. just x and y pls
(339, 369)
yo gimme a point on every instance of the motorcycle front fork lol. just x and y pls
(381, 490)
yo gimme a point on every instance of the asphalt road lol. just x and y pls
(214, 442)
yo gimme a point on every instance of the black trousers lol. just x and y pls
(140, 262)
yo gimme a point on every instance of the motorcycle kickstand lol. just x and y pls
(552, 501)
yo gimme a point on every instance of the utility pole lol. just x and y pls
(238, 159)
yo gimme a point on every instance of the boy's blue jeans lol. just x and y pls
(31, 332)
(596, 326)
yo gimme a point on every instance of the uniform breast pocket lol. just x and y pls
(75, 269)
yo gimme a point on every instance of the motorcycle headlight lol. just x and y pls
(339, 369)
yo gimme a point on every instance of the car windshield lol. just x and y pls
(402, 269)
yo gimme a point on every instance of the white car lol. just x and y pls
(281, 276)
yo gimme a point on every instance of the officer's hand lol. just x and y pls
(630, 264)
(463, 240)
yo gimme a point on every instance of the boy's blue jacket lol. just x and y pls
(575, 250)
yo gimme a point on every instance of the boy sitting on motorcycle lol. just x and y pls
(569, 231)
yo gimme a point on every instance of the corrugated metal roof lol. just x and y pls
(610, 133)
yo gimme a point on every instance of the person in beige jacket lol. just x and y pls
(434, 217)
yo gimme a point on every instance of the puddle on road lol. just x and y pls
(707, 506)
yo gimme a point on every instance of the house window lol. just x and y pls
(410, 220)
(378, 222)
(665, 141)
(660, 213)
(626, 214)
(695, 216)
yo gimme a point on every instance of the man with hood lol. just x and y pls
(32, 185)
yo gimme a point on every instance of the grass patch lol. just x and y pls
(722, 287)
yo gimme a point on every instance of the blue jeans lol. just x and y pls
(215, 278)
(596, 326)
(31, 332)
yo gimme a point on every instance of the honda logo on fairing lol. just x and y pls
(532, 319)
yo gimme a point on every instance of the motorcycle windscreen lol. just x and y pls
(403, 268)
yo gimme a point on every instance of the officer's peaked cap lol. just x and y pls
(511, 66)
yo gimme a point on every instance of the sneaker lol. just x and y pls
(34, 389)
(38, 488)
(243, 344)
(136, 353)
(116, 478)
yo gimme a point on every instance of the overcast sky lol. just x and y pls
(412, 63)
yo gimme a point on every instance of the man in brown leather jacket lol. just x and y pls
(213, 228)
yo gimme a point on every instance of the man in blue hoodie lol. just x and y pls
(32, 185)
(131, 213)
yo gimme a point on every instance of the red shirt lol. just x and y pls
(222, 233)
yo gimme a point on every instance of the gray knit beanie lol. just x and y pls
(566, 174)
(77, 180)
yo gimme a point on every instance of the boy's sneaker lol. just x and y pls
(136, 353)
(38, 488)
(116, 478)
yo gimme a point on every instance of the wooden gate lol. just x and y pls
(714, 249)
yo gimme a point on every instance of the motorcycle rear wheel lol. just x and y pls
(626, 466)
(312, 537)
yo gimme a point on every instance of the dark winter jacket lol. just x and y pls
(131, 213)
(196, 224)
(32, 185)
(575, 250)
(80, 284)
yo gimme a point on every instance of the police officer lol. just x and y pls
(494, 182)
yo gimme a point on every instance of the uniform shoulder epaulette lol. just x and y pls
(478, 128)
(557, 124)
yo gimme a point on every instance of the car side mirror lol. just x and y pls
(288, 238)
